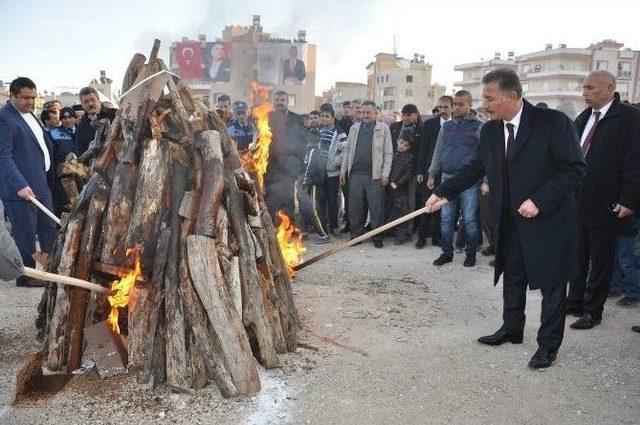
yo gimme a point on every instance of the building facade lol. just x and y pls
(343, 91)
(249, 55)
(473, 72)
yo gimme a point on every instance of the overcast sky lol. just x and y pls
(66, 43)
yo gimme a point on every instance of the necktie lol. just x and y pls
(587, 140)
(511, 140)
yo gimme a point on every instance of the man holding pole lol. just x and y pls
(26, 172)
(534, 165)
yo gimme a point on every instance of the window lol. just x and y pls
(292, 100)
(408, 92)
(525, 87)
(603, 65)
(409, 78)
(389, 105)
(389, 91)
(386, 78)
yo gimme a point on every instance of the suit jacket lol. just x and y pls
(613, 165)
(381, 150)
(546, 165)
(430, 130)
(395, 130)
(21, 159)
(298, 71)
(288, 147)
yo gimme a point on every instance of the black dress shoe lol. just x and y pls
(586, 321)
(542, 358)
(442, 259)
(421, 243)
(575, 311)
(469, 261)
(635, 328)
(500, 338)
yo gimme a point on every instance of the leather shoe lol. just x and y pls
(500, 337)
(635, 328)
(542, 358)
(586, 321)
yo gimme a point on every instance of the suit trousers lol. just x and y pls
(27, 221)
(596, 257)
(514, 292)
(365, 193)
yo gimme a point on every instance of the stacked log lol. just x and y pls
(214, 298)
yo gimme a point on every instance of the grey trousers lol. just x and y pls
(365, 193)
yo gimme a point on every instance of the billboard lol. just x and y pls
(189, 57)
(216, 61)
(281, 63)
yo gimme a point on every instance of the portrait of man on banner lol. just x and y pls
(217, 62)
(293, 69)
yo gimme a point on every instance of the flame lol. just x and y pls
(290, 241)
(259, 159)
(120, 289)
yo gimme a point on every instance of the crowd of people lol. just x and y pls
(342, 176)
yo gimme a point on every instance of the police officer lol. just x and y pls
(241, 129)
(63, 138)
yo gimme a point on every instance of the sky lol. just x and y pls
(65, 43)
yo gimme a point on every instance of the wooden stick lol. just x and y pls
(45, 210)
(361, 238)
(65, 280)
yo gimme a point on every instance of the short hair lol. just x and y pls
(48, 103)
(327, 107)
(224, 98)
(44, 115)
(446, 98)
(407, 136)
(19, 84)
(314, 112)
(506, 78)
(85, 91)
(346, 103)
(280, 93)
(611, 79)
(369, 103)
(461, 93)
(358, 102)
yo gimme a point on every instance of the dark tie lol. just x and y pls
(587, 141)
(511, 140)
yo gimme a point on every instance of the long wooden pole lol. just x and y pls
(361, 238)
(45, 210)
(65, 280)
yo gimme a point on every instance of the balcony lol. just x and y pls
(624, 73)
(560, 92)
(557, 72)
(468, 82)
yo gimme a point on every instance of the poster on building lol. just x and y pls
(189, 57)
(217, 62)
(281, 63)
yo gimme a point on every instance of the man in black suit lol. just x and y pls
(430, 223)
(534, 165)
(610, 193)
(293, 67)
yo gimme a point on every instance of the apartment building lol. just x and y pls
(473, 72)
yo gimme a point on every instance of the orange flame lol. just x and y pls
(120, 289)
(260, 157)
(290, 241)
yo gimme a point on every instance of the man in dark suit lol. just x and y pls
(26, 171)
(430, 223)
(534, 165)
(93, 108)
(293, 67)
(610, 193)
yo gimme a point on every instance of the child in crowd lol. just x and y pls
(398, 191)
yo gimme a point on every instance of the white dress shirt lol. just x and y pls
(516, 125)
(37, 131)
(592, 120)
(442, 121)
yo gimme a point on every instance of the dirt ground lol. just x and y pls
(388, 338)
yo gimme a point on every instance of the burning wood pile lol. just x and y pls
(177, 217)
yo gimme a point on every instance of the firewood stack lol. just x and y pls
(168, 188)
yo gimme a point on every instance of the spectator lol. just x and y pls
(356, 109)
(90, 100)
(626, 272)
(609, 194)
(367, 164)
(224, 109)
(53, 105)
(402, 172)
(346, 121)
(26, 171)
(241, 128)
(49, 119)
(429, 224)
(457, 146)
(63, 139)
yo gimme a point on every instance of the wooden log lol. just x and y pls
(223, 317)
(285, 302)
(131, 74)
(119, 213)
(208, 145)
(70, 188)
(79, 297)
(253, 314)
(177, 365)
(58, 328)
(231, 272)
(116, 271)
(144, 224)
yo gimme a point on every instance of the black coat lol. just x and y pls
(430, 130)
(546, 166)
(402, 172)
(613, 165)
(395, 130)
(85, 133)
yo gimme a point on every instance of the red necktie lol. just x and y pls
(587, 141)
(511, 140)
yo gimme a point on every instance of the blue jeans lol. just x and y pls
(626, 272)
(468, 202)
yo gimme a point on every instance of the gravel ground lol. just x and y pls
(387, 338)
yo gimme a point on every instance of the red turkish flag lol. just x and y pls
(189, 56)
